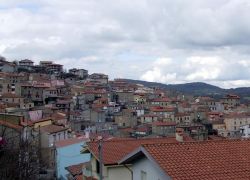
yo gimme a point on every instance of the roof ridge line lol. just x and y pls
(194, 142)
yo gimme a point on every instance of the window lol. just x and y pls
(54, 137)
(143, 175)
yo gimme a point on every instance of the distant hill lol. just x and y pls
(196, 88)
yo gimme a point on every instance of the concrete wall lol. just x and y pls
(118, 173)
(153, 173)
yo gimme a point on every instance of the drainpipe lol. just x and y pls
(100, 157)
(130, 170)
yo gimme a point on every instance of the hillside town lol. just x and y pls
(69, 124)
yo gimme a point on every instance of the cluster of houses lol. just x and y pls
(85, 126)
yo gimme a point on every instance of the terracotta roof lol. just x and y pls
(232, 96)
(76, 169)
(129, 130)
(58, 116)
(160, 123)
(215, 137)
(162, 109)
(115, 150)
(79, 177)
(220, 159)
(53, 128)
(68, 142)
(10, 125)
(182, 114)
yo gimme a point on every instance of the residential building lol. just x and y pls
(50, 134)
(126, 118)
(124, 96)
(54, 68)
(166, 112)
(163, 128)
(245, 131)
(234, 121)
(26, 62)
(7, 67)
(219, 159)
(148, 118)
(231, 101)
(183, 118)
(98, 77)
(81, 73)
(140, 98)
(13, 99)
(163, 101)
(68, 153)
(113, 151)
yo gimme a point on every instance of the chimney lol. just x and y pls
(179, 134)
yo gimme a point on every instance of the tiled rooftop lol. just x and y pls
(115, 150)
(160, 123)
(221, 159)
(76, 169)
(53, 128)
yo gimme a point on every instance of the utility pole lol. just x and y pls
(100, 141)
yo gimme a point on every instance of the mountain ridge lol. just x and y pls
(195, 88)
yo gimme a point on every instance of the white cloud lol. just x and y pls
(158, 73)
(214, 70)
(203, 68)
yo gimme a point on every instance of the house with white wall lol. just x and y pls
(191, 160)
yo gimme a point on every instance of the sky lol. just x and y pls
(167, 41)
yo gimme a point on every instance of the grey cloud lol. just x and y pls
(70, 31)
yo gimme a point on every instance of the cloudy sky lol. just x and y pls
(167, 41)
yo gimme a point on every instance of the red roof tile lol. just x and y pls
(115, 150)
(79, 177)
(53, 128)
(221, 159)
(10, 125)
(160, 123)
(76, 169)
(162, 109)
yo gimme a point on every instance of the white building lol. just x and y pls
(245, 131)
